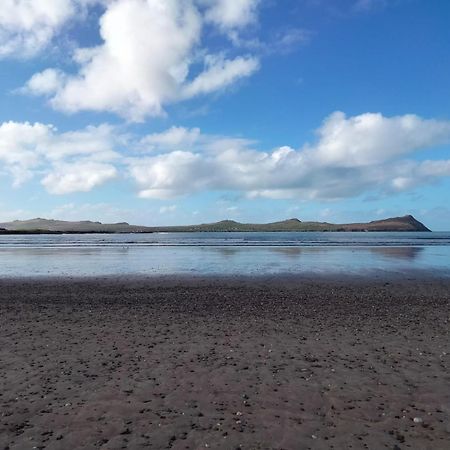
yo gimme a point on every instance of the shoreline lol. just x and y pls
(225, 362)
(364, 277)
(165, 231)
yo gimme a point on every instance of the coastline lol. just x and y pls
(225, 362)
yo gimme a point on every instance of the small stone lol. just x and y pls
(417, 420)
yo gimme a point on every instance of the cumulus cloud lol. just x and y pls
(78, 176)
(18, 153)
(28, 26)
(70, 161)
(171, 139)
(172, 174)
(44, 83)
(352, 155)
(145, 61)
(365, 154)
(372, 138)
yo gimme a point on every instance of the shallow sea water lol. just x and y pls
(227, 254)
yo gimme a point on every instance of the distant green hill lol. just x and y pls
(40, 226)
(60, 226)
(406, 223)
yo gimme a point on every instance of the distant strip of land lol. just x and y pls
(46, 226)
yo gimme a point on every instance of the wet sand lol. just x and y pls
(249, 363)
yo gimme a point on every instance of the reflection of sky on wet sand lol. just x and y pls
(296, 252)
(398, 252)
(211, 260)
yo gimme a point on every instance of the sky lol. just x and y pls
(161, 112)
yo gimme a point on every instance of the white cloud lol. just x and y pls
(44, 83)
(145, 62)
(220, 73)
(169, 175)
(372, 138)
(28, 26)
(288, 40)
(96, 142)
(181, 138)
(352, 156)
(360, 155)
(231, 14)
(280, 42)
(18, 148)
(71, 161)
(171, 139)
(79, 176)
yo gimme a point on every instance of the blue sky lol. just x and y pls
(169, 112)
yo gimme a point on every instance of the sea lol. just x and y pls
(229, 254)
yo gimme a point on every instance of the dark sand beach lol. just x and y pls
(251, 363)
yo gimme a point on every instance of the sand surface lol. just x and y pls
(216, 363)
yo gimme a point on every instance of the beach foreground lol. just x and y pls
(248, 363)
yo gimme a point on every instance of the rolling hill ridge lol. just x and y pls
(39, 225)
